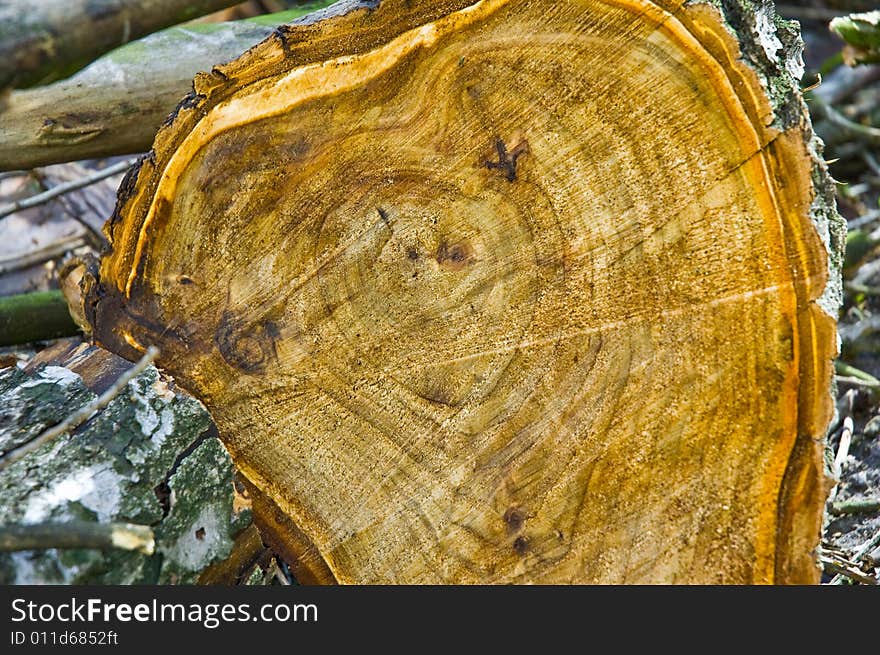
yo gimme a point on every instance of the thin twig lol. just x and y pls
(872, 162)
(842, 368)
(5, 175)
(867, 271)
(844, 82)
(846, 433)
(54, 192)
(867, 547)
(860, 554)
(865, 326)
(83, 414)
(815, 85)
(864, 219)
(82, 207)
(77, 534)
(96, 239)
(841, 408)
(856, 382)
(866, 289)
(854, 190)
(843, 448)
(845, 569)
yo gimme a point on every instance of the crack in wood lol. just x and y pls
(507, 160)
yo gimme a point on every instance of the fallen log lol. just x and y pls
(505, 291)
(140, 494)
(116, 105)
(41, 42)
(34, 316)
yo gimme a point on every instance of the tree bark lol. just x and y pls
(116, 105)
(500, 292)
(45, 40)
(150, 458)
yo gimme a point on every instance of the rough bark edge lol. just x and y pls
(772, 47)
(780, 73)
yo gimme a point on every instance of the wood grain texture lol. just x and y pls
(507, 291)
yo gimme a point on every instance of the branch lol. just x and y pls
(864, 550)
(77, 534)
(34, 317)
(45, 41)
(866, 133)
(862, 35)
(855, 506)
(34, 257)
(845, 569)
(116, 105)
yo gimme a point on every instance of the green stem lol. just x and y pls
(34, 317)
(857, 506)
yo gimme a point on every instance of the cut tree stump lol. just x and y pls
(507, 291)
(151, 458)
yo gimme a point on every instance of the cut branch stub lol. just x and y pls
(500, 292)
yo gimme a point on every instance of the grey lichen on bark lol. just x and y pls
(152, 457)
